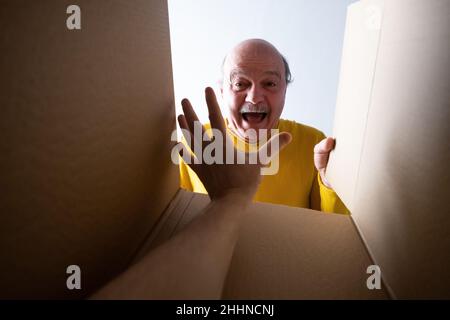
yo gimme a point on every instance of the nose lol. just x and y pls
(254, 95)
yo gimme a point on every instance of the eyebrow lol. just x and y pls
(273, 73)
(235, 73)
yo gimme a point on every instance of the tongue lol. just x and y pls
(254, 117)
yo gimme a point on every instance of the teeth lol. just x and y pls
(253, 109)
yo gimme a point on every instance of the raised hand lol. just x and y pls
(223, 178)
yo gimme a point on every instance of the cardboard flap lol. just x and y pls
(85, 125)
(293, 253)
(171, 221)
(361, 41)
(398, 199)
(285, 252)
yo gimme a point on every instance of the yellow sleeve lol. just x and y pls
(329, 200)
(323, 198)
(185, 179)
(188, 178)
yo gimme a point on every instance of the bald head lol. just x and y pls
(253, 51)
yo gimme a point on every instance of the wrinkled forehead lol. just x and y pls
(254, 64)
(252, 73)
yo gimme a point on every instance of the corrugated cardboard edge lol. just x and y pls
(350, 204)
(388, 288)
(167, 224)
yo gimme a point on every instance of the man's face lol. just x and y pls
(254, 89)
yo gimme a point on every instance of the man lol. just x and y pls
(254, 84)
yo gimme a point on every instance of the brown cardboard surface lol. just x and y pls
(169, 221)
(292, 253)
(399, 203)
(85, 125)
(288, 253)
(361, 39)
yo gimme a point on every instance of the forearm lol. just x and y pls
(194, 264)
(191, 265)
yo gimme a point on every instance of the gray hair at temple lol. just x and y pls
(287, 70)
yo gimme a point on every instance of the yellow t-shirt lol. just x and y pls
(297, 182)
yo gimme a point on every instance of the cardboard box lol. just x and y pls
(87, 179)
(86, 118)
(392, 130)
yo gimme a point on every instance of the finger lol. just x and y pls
(215, 115)
(321, 160)
(270, 149)
(191, 117)
(189, 158)
(190, 138)
(186, 131)
(192, 120)
(324, 146)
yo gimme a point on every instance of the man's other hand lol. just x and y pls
(321, 155)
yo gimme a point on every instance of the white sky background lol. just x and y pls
(309, 33)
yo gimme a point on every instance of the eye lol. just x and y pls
(239, 85)
(271, 84)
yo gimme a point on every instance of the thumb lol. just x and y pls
(324, 146)
(322, 153)
(272, 147)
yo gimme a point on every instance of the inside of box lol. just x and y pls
(392, 135)
(85, 144)
(283, 252)
(87, 177)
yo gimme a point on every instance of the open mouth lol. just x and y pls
(254, 117)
